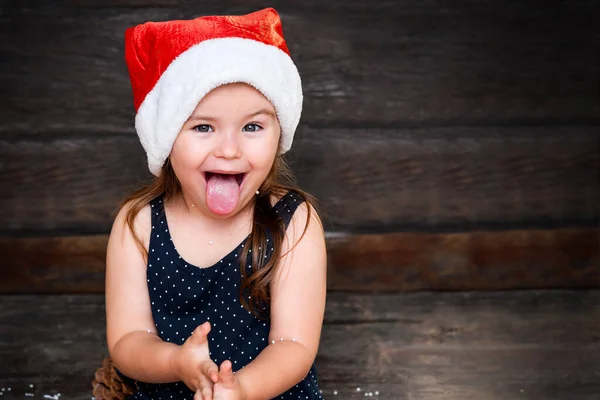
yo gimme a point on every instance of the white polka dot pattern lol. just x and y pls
(184, 296)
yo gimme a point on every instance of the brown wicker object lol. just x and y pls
(108, 385)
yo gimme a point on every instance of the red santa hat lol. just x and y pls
(174, 64)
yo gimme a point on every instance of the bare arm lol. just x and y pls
(133, 344)
(297, 308)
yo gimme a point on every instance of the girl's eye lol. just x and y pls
(252, 128)
(203, 128)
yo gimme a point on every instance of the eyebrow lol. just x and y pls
(262, 111)
(251, 115)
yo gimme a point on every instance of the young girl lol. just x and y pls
(216, 271)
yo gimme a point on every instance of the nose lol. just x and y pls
(228, 146)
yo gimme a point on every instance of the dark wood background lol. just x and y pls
(452, 145)
(515, 345)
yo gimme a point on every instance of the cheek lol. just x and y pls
(185, 154)
(262, 155)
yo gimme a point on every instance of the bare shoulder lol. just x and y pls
(141, 224)
(304, 233)
(306, 218)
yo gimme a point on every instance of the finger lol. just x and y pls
(207, 394)
(198, 395)
(211, 370)
(206, 388)
(200, 334)
(226, 376)
(202, 329)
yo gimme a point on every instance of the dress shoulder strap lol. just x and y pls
(287, 206)
(158, 211)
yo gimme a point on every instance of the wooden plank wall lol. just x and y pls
(452, 145)
(512, 345)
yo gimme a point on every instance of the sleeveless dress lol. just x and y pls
(184, 296)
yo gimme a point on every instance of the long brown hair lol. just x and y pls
(279, 181)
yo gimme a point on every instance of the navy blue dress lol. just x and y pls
(184, 296)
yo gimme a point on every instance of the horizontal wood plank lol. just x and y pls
(366, 180)
(478, 260)
(479, 346)
(395, 62)
(562, 258)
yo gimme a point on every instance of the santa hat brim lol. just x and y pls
(204, 67)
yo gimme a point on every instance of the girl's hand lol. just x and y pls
(192, 364)
(228, 387)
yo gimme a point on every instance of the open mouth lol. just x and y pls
(239, 177)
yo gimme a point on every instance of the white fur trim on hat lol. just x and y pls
(204, 67)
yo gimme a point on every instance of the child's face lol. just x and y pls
(225, 150)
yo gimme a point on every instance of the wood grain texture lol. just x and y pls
(53, 264)
(562, 258)
(465, 261)
(442, 346)
(366, 180)
(390, 62)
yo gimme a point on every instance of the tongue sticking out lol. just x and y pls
(222, 193)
